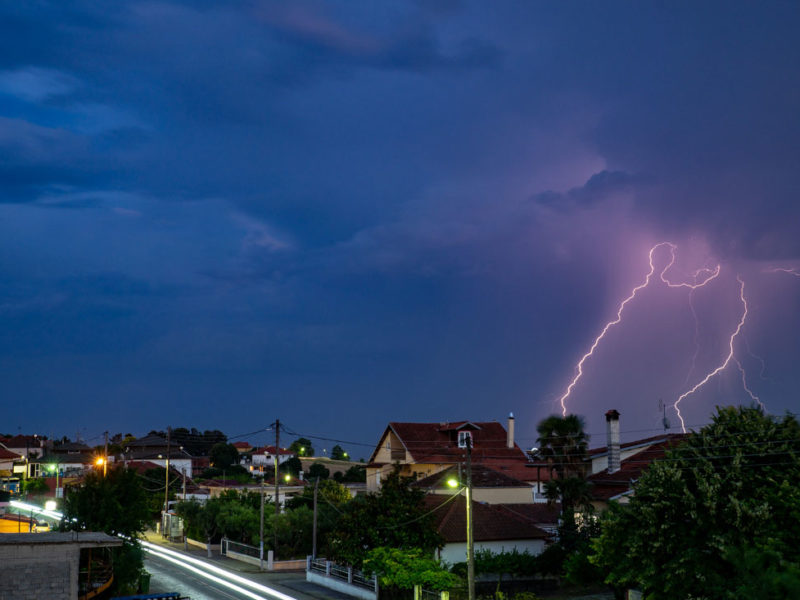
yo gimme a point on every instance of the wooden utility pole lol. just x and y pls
(261, 531)
(314, 534)
(470, 545)
(277, 487)
(105, 457)
(166, 477)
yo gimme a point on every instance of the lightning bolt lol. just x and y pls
(709, 275)
(725, 363)
(790, 271)
(750, 392)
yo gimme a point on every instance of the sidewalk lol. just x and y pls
(292, 583)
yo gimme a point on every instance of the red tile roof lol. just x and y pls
(483, 476)
(607, 485)
(438, 442)
(243, 445)
(9, 455)
(271, 450)
(491, 522)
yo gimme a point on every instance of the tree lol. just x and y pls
(318, 470)
(355, 474)
(394, 517)
(407, 568)
(292, 466)
(338, 453)
(115, 504)
(302, 447)
(564, 444)
(223, 455)
(35, 487)
(707, 519)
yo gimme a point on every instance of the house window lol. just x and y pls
(463, 436)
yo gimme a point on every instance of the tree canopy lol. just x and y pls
(302, 447)
(718, 518)
(223, 455)
(394, 517)
(338, 453)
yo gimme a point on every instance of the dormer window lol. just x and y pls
(464, 439)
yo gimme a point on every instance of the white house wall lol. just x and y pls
(457, 552)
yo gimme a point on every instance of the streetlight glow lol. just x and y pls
(453, 483)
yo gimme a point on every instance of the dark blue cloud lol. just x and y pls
(394, 211)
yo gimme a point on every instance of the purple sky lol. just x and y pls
(344, 213)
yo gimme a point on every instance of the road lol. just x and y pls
(168, 577)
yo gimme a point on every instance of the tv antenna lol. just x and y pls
(663, 408)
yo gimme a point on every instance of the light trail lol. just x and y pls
(710, 274)
(203, 574)
(191, 563)
(724, 363)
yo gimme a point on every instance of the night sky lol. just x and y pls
(345, 213)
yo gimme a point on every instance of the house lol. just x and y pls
(495, 528)
(29, 446)
(54, 565)
(7, 461)
(615, 467)
(157, 449)
(488, 485)
(423, 449)
(263, 457)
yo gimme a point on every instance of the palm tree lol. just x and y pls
(564, 445)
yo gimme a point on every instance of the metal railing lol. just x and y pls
(348, 574)
(229, 545)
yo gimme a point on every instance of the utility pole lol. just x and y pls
(184, 483)
(314, 534)
(261, 531)
(277, 487)
(105, 456)
(470, 545)
(166, 477)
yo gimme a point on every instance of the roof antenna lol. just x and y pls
(663, 408)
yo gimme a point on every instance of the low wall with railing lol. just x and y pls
(342, 579)
(252, 555)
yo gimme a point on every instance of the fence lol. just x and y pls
(344, 579)
(227, 545)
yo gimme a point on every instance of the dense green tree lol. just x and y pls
(318, 470)
(718, 518)
(394, 517)
(405, 568)
(328, 491)
(302, 447)
(338, 453)
(35, 487)
(292, 467)
(115, 504)
(223, 455)
(355, 474)
(564, 445)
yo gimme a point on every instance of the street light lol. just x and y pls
(54, 467)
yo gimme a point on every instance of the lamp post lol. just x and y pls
(54, 467)
(470, 541)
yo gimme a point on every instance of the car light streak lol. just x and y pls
(189, 561)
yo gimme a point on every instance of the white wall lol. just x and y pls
(457, 552)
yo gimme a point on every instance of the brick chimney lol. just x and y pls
(612, 436)
(510, 431)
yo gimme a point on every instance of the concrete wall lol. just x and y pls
(31, 572)
(457, 552)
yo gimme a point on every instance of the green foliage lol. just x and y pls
(318, 470)
(721, 505)
(564, 444)
(302, 447)
(35, 487)
(293, 466)
(223, 455)
(513, 563)
(355, 474)
(338, 453)
(394, 517)
(405, 568)
(328, 492)
(114, 504)
(232, 473)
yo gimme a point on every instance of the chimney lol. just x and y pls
(510, 432)
(612, 435)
